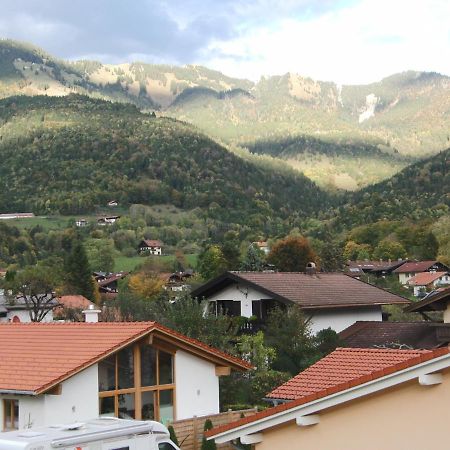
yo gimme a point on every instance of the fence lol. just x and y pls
(190, 431)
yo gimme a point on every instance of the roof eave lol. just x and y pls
(329, 401)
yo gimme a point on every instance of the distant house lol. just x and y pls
(72, 303)
(16, 216)
(329, 299)
(108, 282)
(150, 247)
(112, 203)
(354, 399)
(67, 372)
(438, 300)
(376, 268)
(17, 310)
(81, 223)
(108, 220)
(178, 281)
(410, 269)
(428, 281)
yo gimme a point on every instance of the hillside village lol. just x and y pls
(196, 261)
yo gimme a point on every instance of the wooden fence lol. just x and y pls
(190, 431)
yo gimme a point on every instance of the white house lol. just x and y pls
(411, 269)
(329, 299)
(108, 220)
(150, 247)
(66, 372)
(17, 310)
(427, 281)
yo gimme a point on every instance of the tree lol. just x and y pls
(292, 254)
(173, 436)
(146, 285)
(78, 276)
(35, 287)
(254, 259)
(211, 262)
(230, 250)
(100, 254)
(389, 249)
(287, 331)
(208, 445)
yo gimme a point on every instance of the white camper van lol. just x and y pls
(105, 433)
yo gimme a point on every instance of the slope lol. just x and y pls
(71, 154)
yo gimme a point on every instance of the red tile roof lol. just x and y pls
(111, 278)
(37, 356)
(418, 266)
(425, 278)
(340, 370)
(74, 301)
(152, 243)
(322, 290)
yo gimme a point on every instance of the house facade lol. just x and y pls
(16, 310)
(410, 269)
(356, 399)
(130, 370)
(329, 299)
(427, 281)
(150, 247)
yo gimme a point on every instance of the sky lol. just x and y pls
(345, 41)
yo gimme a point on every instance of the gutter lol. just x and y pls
(15, 392)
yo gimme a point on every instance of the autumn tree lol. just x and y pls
(146, 284)
(292, 254)
(211, 262)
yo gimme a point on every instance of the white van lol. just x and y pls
(105, 433)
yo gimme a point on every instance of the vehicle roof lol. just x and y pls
(106, 426)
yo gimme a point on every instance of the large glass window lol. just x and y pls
(148, 365)
(137, 382)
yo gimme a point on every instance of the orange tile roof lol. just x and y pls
(74, 301)
(37, 356)
(425, 278)
(340, 370)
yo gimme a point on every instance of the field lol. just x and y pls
(128, 264)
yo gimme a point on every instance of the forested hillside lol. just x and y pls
(387, 125)
(69, 155)
(420, 191)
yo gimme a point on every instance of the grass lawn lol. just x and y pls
(128, 264)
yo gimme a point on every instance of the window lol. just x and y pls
(138, 383)
(10, 415)
(165, 446)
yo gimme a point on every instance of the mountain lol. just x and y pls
(71, 154)
(419, 192)
(341, 136)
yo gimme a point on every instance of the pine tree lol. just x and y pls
(78, 277)
(208, 445)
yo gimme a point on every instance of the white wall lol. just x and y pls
(339, 319)
(197, 386)
(78, 401)
(240, 293)
(24, 316)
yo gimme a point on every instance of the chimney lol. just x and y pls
(311, 268)
(91, 314)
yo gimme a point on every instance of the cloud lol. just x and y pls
(348, 41)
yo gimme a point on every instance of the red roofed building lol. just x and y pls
(427, 281)
(66, 372)
(355, 399)
(410, 269)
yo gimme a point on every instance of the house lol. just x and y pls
(108, 282)
(427, 281)
(401, 335)
(178, 281)
(410, 269)
(112, 203)
(329, 299)
(16, 216)
(16, 309)
(355, 399)
(150, 247)
(72, 306)
(376, 268)
(81, 223)
(64, 372)
(109, 220)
